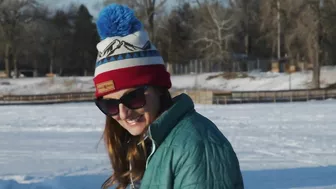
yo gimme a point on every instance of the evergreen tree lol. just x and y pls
(85, 41)
(59, 41)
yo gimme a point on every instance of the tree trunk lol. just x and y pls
(60, 71)
(151, 10)
(52, 56)
(246, 28)
(35, 68)
(318, 51)
(51, 65)
(316, 69)
(247, 44)
(7, 54)
(16, 73)
(279, 31)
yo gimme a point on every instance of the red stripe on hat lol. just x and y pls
(115, 80)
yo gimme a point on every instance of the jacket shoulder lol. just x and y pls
(199, 145)
(195, 129)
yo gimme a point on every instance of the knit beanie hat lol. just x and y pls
(126, 57)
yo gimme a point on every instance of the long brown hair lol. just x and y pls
(125, 150)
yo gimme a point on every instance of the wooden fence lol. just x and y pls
(199, 97)
(47, 98)
(207, 66)
(273, 96)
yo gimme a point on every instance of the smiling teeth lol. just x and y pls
(133, 121)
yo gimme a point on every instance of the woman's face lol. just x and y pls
(135, 121)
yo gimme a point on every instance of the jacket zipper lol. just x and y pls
(153, 147)
(152, 152)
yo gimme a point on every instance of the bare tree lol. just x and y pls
(12, 19)
(315, 38)
(174, 35)
(302, 29)
(269, 24)
(246, 13)
(215, 30)
(35, 36)
(58, 39)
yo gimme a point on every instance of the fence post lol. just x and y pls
(177, 67)
(324, 93)
(274, 97)
(208, 66)
(258, 64)
(190, 66)
(195, 66)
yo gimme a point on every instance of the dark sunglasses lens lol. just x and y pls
(135, 99)
(109, 107)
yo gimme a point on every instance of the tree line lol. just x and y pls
(219, 31)
(32, 37)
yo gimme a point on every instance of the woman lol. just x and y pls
(151, 138)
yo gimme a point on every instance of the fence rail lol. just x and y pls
(273, 96)
(207, 66)
(47, 98)
(199, 96)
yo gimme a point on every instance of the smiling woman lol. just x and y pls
(153, 141)
(135, 109)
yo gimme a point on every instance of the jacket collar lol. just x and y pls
(162, 126)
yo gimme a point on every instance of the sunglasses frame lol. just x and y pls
(121, 100)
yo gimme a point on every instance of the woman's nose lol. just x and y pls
(123, 111)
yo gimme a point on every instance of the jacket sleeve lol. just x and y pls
(208, 166)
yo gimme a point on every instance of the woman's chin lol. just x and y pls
(136, 130)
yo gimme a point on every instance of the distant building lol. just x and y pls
(244, 63)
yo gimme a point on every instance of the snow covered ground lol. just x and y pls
(290, 145)
(255, 81)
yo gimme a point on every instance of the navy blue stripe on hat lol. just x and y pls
(130, 55)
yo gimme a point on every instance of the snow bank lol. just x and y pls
(254, 81)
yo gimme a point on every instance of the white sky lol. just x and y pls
(90, 4)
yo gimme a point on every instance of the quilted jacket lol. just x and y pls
(189, 152)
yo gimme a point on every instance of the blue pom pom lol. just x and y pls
(117, 20)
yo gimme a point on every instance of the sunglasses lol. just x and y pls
(133, 100)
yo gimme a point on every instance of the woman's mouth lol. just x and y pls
(133, 121)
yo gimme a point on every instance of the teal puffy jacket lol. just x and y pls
(189, 152)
